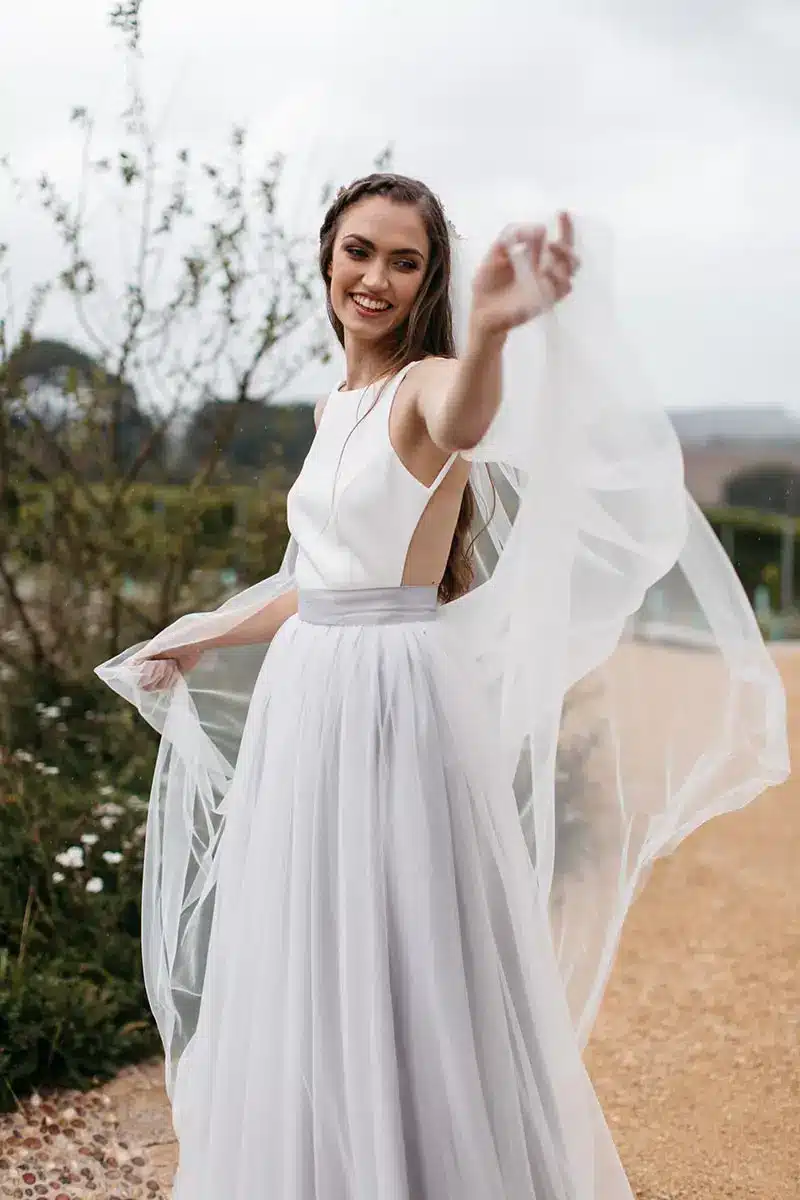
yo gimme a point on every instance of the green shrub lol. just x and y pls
(227, 527)
(73, 1007)
(75, 764)
(756, 541)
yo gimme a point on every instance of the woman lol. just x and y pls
(377, 983)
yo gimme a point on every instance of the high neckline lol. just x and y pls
(345, 391)
(341, 390)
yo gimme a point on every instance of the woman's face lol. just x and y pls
(380, 256)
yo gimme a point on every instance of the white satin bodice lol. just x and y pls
(353, 520)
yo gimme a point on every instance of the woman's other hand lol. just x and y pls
(161, 672)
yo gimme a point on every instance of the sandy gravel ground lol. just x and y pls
(696, 1054)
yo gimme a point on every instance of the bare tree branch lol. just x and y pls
(126, 17)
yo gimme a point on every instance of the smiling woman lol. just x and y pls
(372, 960)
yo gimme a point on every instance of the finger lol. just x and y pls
(566, 229)
(566, 256)
(557, 266)
(531, 236)
(157, 675)
(557, 283)
(522, 232)
(538, 246)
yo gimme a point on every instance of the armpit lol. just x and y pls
(319, 408)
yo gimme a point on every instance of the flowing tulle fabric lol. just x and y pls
(634, 700)
(383, 1013)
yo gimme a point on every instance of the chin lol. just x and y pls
(367, 329)
(363, 332)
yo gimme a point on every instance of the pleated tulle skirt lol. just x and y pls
(382, 1016)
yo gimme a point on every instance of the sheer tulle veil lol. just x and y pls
(637, 696)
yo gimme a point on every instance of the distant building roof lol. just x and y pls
(705, 426)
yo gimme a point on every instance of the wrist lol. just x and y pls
(483, 339)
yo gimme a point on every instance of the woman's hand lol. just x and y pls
(161, 672)
(523, 275)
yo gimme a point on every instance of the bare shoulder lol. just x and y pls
(428, 380)
(319, 408)
(433, 373)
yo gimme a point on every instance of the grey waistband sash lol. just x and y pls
(367, 606)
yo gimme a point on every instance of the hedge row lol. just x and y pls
(243, 528)
(155, 514)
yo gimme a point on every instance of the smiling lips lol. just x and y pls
(368, 306)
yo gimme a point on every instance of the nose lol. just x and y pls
(375, 275)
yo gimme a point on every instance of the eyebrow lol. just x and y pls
(371, 245)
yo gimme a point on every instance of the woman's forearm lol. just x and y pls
(262, 626)
(470, 403)
(256, 629)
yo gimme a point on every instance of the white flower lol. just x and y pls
(50, 770)
(65, 701)
(58, 877)
(71, 858)
(106, 790)
(140, 831)
(112, 857)
(89, 839)
(108, 823)
(94, 885)
(109, 810)
(49, 711)
(23, 756)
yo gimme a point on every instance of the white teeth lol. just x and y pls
(375, 305)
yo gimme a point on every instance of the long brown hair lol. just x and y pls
(427, 331)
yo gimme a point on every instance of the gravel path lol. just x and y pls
(696, 1054)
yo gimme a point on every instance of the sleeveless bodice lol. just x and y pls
(354, 507)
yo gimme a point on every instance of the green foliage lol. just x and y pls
(251, 436)
(73, 1007)
(237, 527)
(127, 487)
(754, 539)
(75, 765)
(752, 520)
(773, 489)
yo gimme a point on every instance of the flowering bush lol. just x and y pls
(73, 1007)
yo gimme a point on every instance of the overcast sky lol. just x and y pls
(676, 121)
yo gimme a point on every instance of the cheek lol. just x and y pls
(341, 283)
(407, 289)
(346, 268)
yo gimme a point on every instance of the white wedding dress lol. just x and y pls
(388, 858)
(383, 1015)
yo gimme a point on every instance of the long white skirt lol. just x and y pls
(382, 1017)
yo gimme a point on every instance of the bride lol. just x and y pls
(380, 899)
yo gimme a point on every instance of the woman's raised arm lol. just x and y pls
(522, 275)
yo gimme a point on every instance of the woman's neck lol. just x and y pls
(365, 364)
